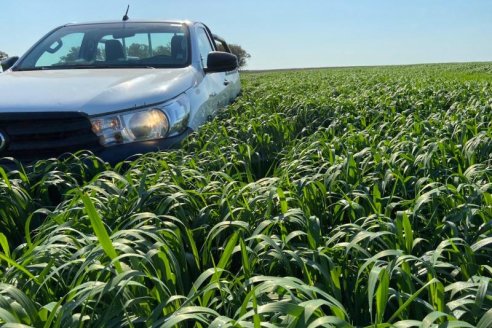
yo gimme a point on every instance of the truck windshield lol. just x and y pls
(111, 45)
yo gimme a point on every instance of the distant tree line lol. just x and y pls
(3, 55)
(241, 54)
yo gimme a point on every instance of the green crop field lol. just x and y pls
(351, 197)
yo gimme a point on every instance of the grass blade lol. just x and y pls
(101, 232)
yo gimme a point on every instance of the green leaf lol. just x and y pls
(5, 245)
(431, 318)
(437, 296)
(329, 322)
(227, 254)
(407, 324)
(101, 233)
(19, 267)
(482, 291)
(486, 320)
(5, 178)
(407, 227)
(219, 269)
(189, 313)
(371, 286)
(382, 294)
(245, 258)
(25, 302)
(6, 316)
(281, 308)
(221, 322)
(410, 300)
(376, 198)
(482, 243)
(283, 202)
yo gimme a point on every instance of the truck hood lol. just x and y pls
(92, 91)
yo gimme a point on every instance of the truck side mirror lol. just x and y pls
(218, 61)
(9, 62)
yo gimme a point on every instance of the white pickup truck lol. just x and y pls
(115, 88)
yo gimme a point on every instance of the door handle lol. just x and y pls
(226, 82)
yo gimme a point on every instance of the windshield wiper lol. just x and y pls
(102, 66)
(30, 69)
(42, 68)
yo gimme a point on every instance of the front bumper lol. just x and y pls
(118, 153)
(112, 155)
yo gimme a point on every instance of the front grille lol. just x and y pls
(32, 136)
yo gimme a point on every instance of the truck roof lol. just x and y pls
(187, 22)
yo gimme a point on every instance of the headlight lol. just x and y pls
(145, 124)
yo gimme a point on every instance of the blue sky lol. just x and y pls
(289, 33)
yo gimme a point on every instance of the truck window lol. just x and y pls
(62, 51)
(204, 45)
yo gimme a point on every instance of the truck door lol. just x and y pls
(214, 83)
(232, 82)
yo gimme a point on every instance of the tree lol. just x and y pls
(138, 50)
(241, 54)
(3, 55)
(142, 50)
(162, 50)
(71, 56)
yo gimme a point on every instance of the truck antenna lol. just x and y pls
(125, 18)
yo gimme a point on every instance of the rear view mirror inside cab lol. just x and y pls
(55, 46)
